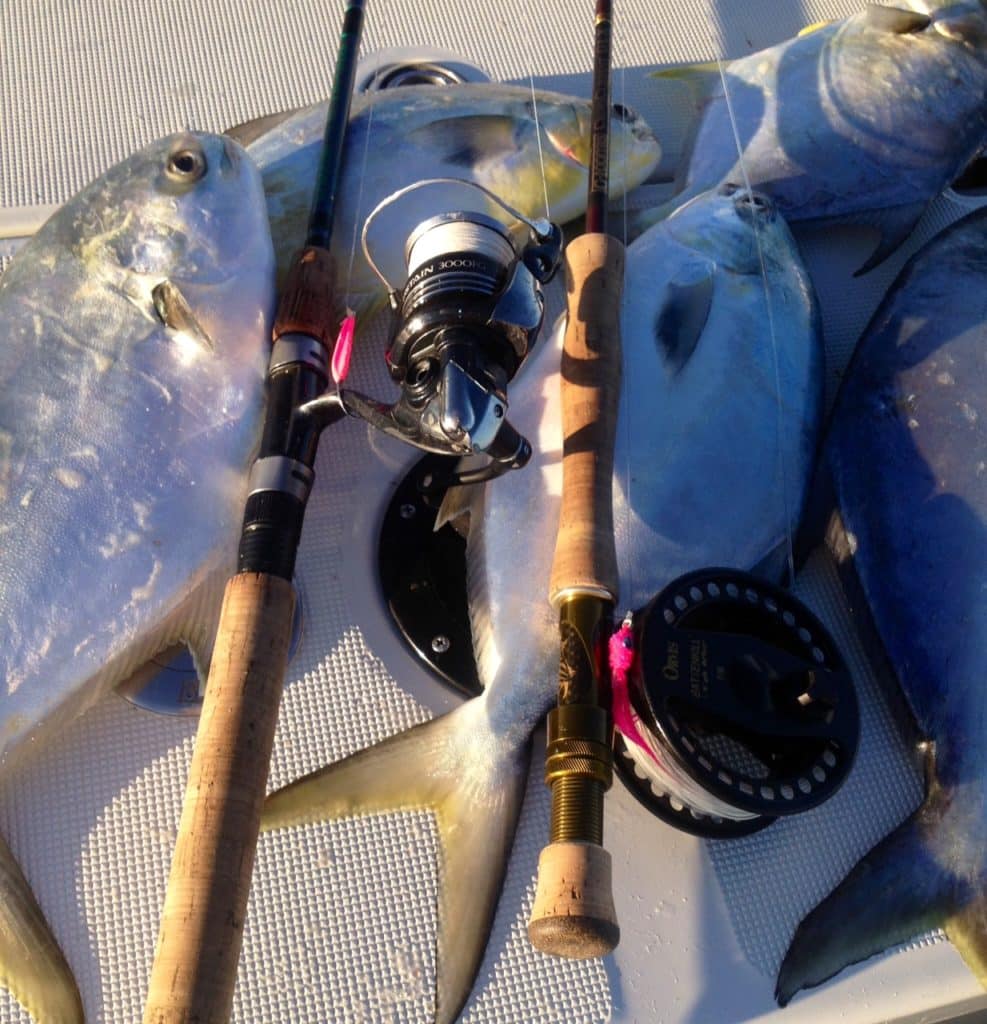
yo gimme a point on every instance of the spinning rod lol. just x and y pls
(195, 964)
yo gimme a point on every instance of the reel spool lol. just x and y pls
(394, 67)
(744, 704)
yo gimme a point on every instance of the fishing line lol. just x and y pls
(627, 379)
(686, 771)
(541, 154)
(359, 194)
(779, 432)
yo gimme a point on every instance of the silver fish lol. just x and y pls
(906, 453)
(866, 119)
(527, 148)
(133, 343)
(702, 437)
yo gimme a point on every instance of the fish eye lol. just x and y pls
(186, 165)
(623, 114)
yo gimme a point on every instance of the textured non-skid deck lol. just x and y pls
(341, 924)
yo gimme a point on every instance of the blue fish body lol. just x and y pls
(865, 119)
(907, 457)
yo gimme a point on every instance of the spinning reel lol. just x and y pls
(465, 320)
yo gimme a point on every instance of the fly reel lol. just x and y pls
(738, 708)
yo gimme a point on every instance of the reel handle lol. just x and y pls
(573, 914)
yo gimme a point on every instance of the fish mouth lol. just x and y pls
(749, 204)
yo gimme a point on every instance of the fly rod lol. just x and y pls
(195, 964)
(573, 913)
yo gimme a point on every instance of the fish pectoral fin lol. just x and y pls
(682, 317)
(895, 224)
(444, 765)
(174, 309)
(469, 141)
(895, 19)
(897, 891)
(32, 967)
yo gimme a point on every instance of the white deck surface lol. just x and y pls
(341, 925)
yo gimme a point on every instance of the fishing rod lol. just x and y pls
(195, 964)
(573, 913)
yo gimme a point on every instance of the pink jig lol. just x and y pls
(622, 654)
(344, 348)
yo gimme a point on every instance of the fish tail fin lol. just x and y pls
(445, 765)
(897, 891)
(32, 967)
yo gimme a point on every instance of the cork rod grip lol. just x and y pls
(195, 964)
(585, 556)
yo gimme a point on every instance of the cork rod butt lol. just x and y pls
(573, 914)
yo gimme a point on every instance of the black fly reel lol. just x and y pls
(743, 702)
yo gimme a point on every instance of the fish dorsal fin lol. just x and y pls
(32, 967)
(895, 224)
(468, 141)
(175, 311)
(476, 800)
(455, 508)
(683, 315)
(702, 80)
(816, 26)
(895, 20)
(251, 131)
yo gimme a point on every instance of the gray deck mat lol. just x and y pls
(340, 927)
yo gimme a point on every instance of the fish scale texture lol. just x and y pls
(341, 922)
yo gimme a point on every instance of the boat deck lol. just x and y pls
(341, 922)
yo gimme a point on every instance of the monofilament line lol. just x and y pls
(359, 194)
(627, 379)
(787, 506)
(541, 154)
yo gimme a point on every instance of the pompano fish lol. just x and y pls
(527, 147)
(868, 118)
(711, 415)
(133, 343)
(906, 453)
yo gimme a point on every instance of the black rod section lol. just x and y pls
(599, 160)
(308, 316)
(327, 182)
